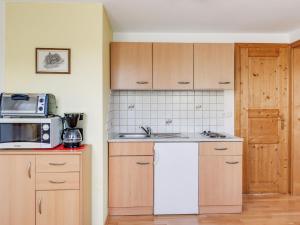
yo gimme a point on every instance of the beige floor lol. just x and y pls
(257, 210)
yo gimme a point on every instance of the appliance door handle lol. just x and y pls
(224, 82)
(17, 97)
(156, 157)
(57, 182)
(221, 149)
(57, 164)
(235, 162)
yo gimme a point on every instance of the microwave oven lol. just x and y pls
(29, 133)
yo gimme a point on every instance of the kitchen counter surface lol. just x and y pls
(183, 138)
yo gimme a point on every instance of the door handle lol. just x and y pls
(225, 82)
(29, 170)
(183, 82)
(40, 206)
(57, 164)
(221, 149)
(142, 82)
(236, 162)
(143, 163)
(57, 182)
(282, 124)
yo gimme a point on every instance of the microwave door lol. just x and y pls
(20, 132)
(19, 104)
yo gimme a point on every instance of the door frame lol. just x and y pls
(237, 98)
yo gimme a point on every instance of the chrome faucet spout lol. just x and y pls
(147, 130)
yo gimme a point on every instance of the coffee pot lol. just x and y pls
(72, 135)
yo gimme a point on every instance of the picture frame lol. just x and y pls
(53, 60)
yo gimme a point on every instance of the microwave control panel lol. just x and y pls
(45, 133)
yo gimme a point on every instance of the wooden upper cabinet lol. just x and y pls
(131, 66)
(172, 66)
(214, 66)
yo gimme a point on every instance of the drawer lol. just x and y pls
(131, 148)
(57, 181)
(57, 163)
(221, 148)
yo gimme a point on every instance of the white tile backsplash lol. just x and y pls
(167, 111)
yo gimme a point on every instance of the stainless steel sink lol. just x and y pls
(133, 136)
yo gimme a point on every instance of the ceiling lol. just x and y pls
(204, 16)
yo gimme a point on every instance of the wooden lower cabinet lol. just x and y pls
(131, 180)
(17, 189)
(58, 207)
(220, 178)
(30, 197)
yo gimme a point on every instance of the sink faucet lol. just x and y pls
(147, 130)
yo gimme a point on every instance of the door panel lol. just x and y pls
(17, 190)
(220, 180)
(57, 207)
(263, 117)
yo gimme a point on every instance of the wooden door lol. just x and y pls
(213, 66)
(172, 66)
(296, 120)
(220, 180)
(131, 66)
(131, 181)
(57, 207)
(262, 99)
(17, 190)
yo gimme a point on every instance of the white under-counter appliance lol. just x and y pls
(176, 178)
(30, 132)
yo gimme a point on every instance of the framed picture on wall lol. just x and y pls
(53, 60)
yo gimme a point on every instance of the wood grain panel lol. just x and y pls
(131, 148)
(130, 181)
(262, 114)
(220, 180)
(220, 148)
(57, 181)
(57, 163)
(57, 207)
(17, 190)
(131, 66)
(213, 66)
(173, 66)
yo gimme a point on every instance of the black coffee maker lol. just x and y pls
(72, 136)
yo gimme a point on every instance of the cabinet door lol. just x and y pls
(220, 180)
(172, 66)
(57, 207)
(130, 181)
(17, 190)
(131, 66)
(213, 66)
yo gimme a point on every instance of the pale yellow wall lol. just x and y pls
(67, 25)
(107, 38)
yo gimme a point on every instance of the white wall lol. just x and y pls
(2, 27)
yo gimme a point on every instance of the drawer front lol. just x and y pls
(220, 148)
(131, 148)
(57, 163)
(57, 181)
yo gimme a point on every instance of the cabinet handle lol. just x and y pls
(236, 162)
(57, 164)
(221, 149)
(29, 170)
(57, 182)
(40, 206)
(142, 82)
(143, 163)
(226, 82)
(183, 82)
